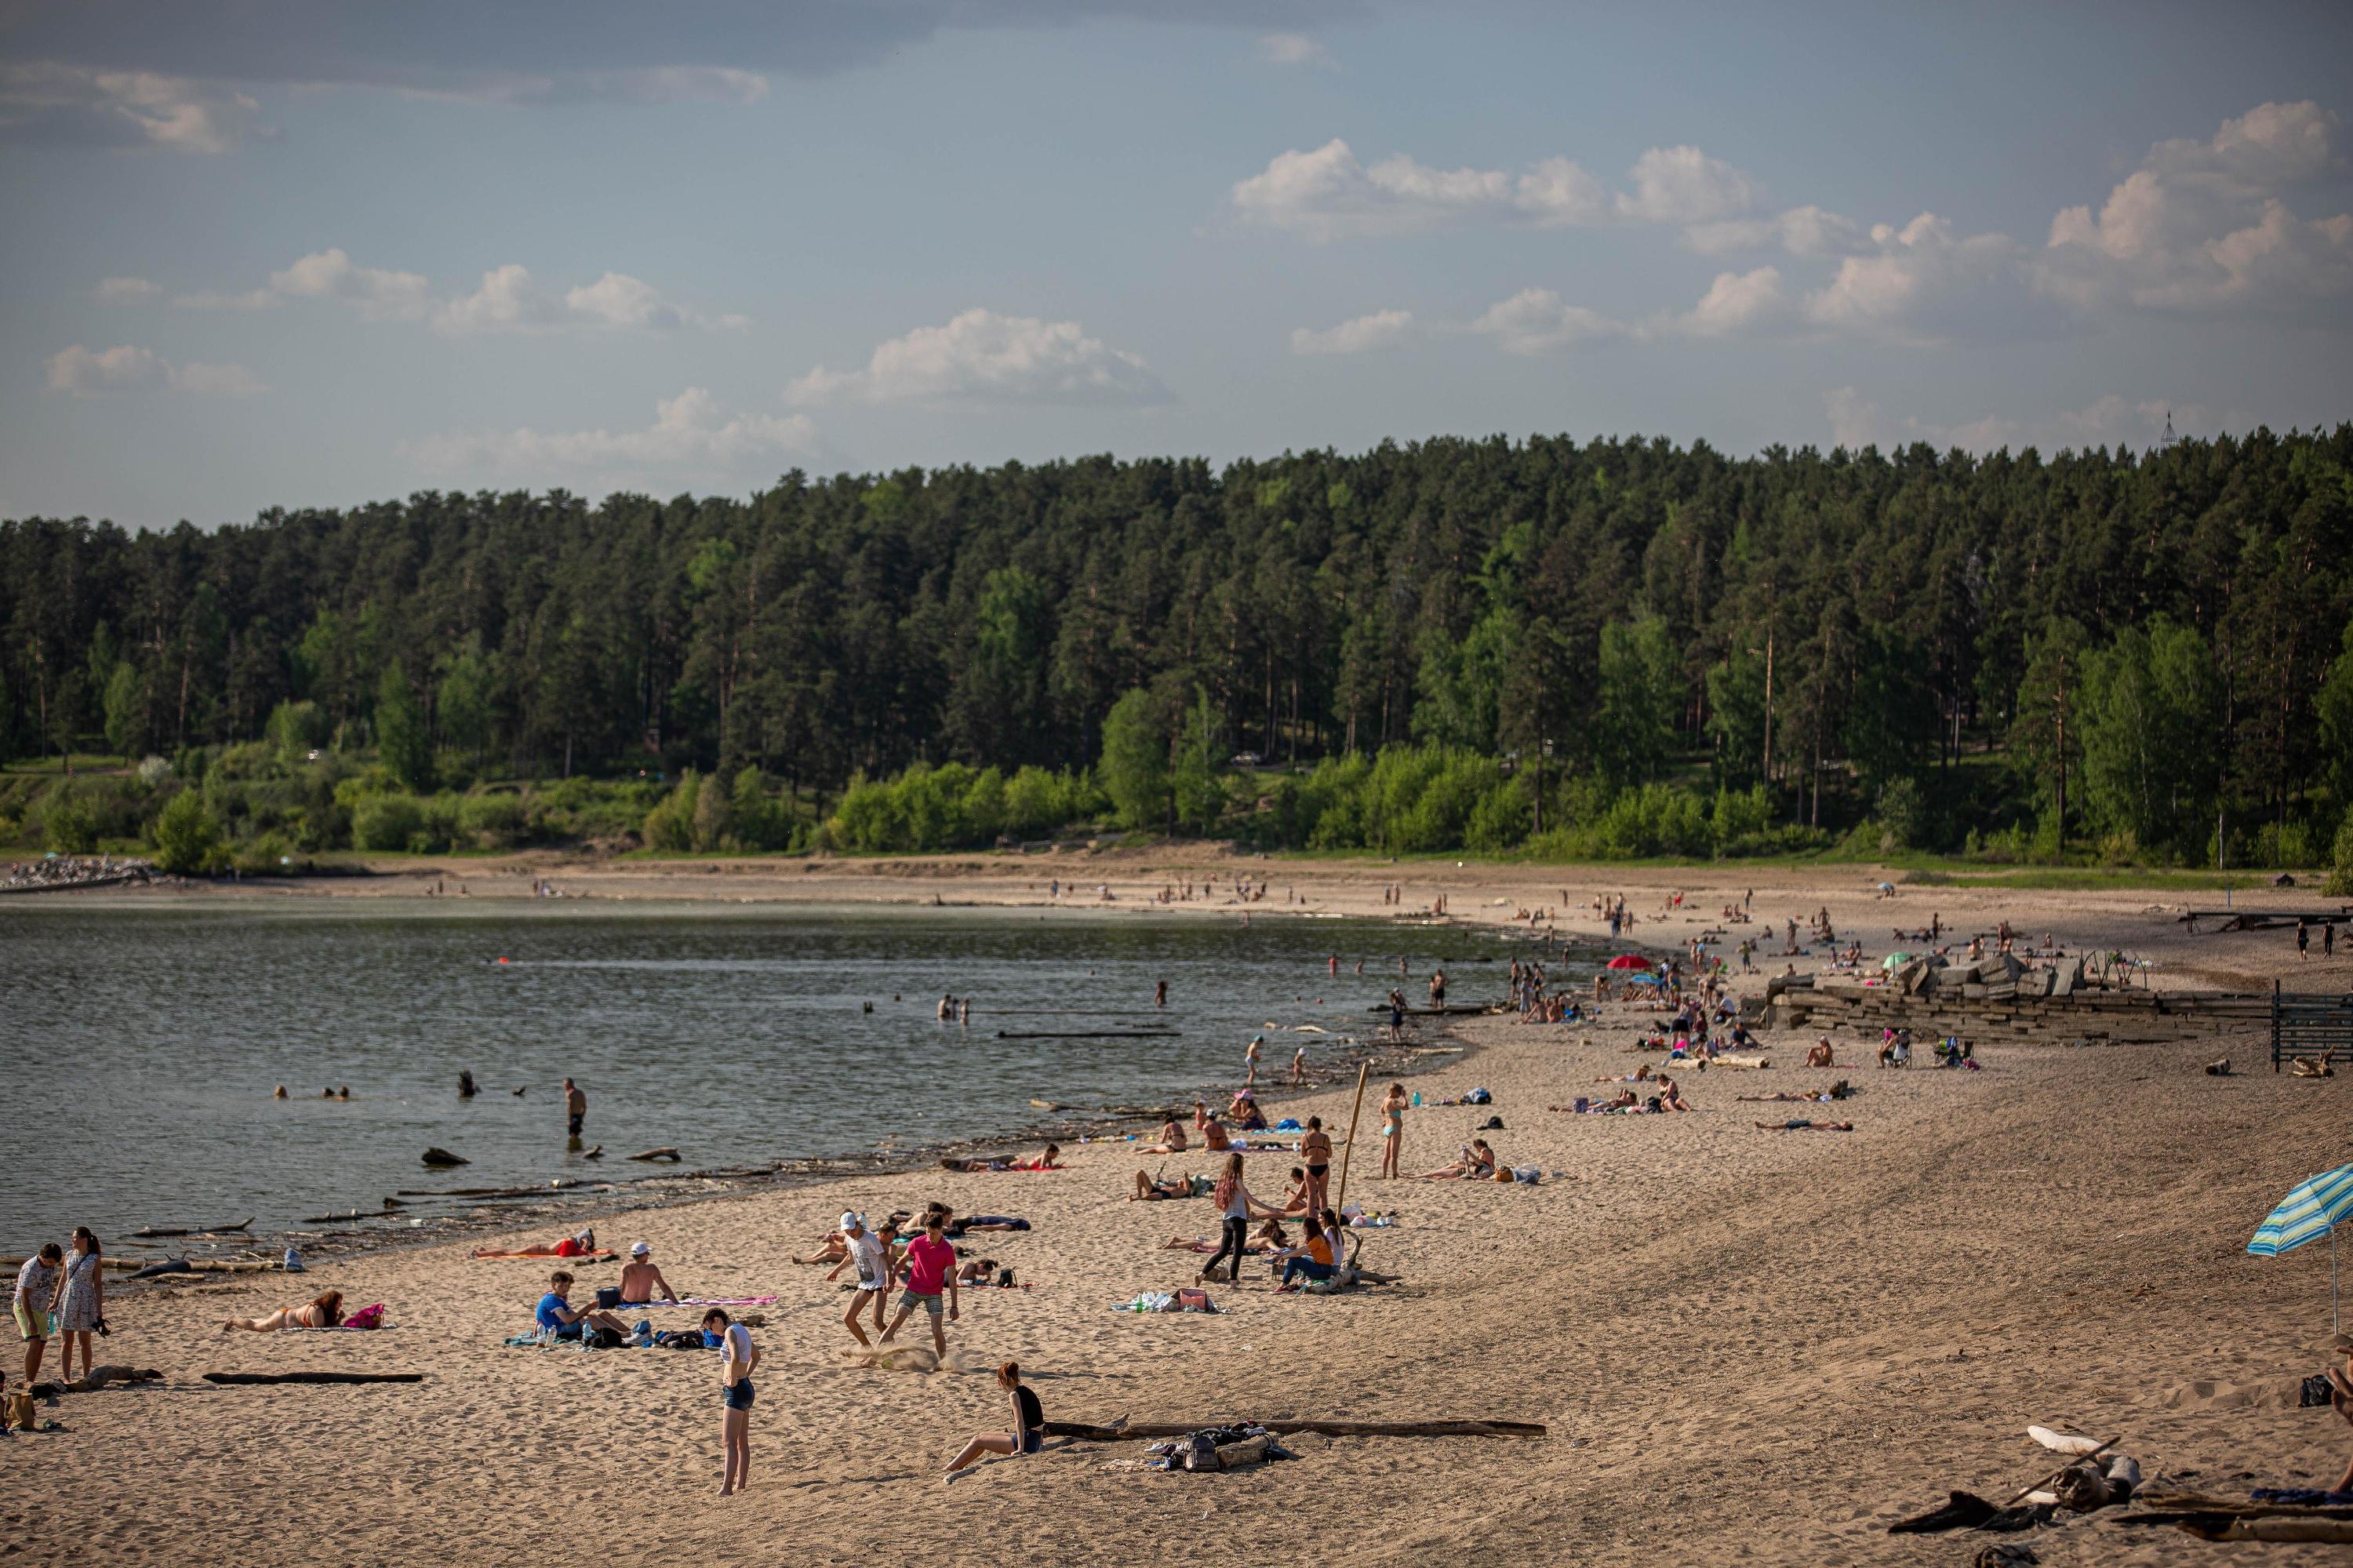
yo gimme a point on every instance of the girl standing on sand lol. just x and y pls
(81, 1300)
(1235, 1205)
(741, 1355)
(1393, 1106)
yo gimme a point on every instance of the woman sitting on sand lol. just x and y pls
(1246, 1114)
(1477, 1163)
(1820, 1056)
(1214, 1137)
(1297, 1196)
(325, 1312)
(583, 1244)
(975, 1270)
(1317, 1258)
(1172, 1138)
(1671, 1097)
(835, 1249)
(1028, 1434)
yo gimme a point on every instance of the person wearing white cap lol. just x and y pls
(874, 1265)
(642, 1282)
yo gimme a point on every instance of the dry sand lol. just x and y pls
(1749, 1346)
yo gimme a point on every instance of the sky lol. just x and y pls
(286, 253)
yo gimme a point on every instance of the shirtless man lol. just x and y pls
(640, 1279)
(575, 1106)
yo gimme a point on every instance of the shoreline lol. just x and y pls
(1874, 1317)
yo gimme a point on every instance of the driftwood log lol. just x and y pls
(191, 1230)
(1149, 1429)
(333, 1377)
(437, 1156)
(91, 1383)
(664, 1152)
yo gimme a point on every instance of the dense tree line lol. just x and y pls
(2139, 647)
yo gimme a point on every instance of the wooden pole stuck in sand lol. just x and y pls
(1364, 1071)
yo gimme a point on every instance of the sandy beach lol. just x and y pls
(1747, 1346)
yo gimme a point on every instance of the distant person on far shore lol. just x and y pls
(575, 1107)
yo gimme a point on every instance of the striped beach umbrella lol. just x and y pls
(2313, 1210)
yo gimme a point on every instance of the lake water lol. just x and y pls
(140, 1045)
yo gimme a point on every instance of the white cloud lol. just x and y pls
(45, 102)
(1327, 193)
(1683, 184)
(666, 84)
(1922, 282)
(984, 358)
(2110, 420)
(508, 298)
(2203, 226)
(1800, 231)
(125, 291)
(1295, 49)
(1737, 304)
(87, 373)
(1535, 321)
(688, 433)
(1381, 329)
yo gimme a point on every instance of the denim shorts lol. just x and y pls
(736, 1395)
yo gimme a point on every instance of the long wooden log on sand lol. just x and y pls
(1091, 1433)
(333, 1377)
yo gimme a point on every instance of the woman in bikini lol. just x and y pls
(1316, 1146)
(325, 1312)
(1477, 1164)
(1393, 1108)
(1172, 1138)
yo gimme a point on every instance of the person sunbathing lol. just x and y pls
(1172, 1138)
(835, 1249)
(1268, 1237)
(1476, 1164)
(1801, 1126)
(1821, 1055)
(956, 1228)
(1050, 1160)
(583, 1244)
(1151, 1188)
(1251, 1248)
(2340, 1397)
(1804, 1096)
(975, 1271)
(325, 1312)
(1214, 1137)
(1671, 1097)
(1641, 1075)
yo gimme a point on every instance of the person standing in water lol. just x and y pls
(1160, 994)
(575, 1109)
(1251, 1058)
(739, 1356)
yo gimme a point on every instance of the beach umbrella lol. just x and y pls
(1641, 979)
(2315, 1209)
(1895, 960)
(1628, 962)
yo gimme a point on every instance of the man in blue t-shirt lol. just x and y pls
(559, 1318)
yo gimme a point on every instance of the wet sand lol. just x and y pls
(1749, 1346)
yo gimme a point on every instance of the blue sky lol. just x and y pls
(303, 252)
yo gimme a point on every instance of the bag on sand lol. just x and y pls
(607, 1339)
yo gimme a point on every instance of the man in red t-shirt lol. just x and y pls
(931, 1268)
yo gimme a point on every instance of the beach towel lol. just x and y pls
(367, 1320)
(2302, 1496)
(708, 1301)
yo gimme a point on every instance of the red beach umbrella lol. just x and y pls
(1628, 962)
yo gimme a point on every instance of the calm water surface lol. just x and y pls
(139, 1045)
